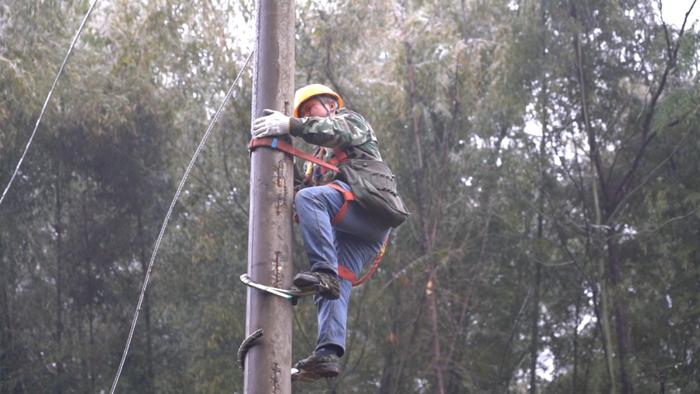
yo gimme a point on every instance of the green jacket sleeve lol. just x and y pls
(345, 128)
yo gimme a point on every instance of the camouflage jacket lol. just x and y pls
(344, 131)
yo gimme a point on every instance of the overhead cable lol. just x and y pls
(48, 97)
(214, 119)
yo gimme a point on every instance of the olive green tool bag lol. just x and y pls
(374, 187)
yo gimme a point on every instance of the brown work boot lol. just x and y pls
(326, 285)
(317, 366)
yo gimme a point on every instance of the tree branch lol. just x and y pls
(647, 133)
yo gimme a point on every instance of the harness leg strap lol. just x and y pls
(347, 197)
(343, 271)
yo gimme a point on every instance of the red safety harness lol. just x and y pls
(348, 196)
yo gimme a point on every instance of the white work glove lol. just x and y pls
(271, 124)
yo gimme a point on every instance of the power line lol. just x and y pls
(167, 219)
(48, 97)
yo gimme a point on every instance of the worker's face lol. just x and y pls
(314, 107)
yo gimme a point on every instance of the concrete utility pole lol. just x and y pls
(268, 364)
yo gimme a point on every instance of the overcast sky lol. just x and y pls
(674, 11)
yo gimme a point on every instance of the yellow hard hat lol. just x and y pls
(309, 91)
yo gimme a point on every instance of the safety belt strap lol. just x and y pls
(275, 143)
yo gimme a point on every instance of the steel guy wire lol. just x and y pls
(48, 97)
(207, 133)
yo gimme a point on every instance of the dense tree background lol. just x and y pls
(548, 150)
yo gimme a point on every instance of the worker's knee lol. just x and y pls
(316, 195)
(303, 197)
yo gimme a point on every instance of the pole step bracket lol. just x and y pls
(291, 295)
(248, 343)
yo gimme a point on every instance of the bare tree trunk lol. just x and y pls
(396, 382)
(147, 306)
(419, 167)
(577, 309)
(6, 334)
(430, 290)
(91, 342)
(424, 218)
(542, 163)
(88, 281)
(58, 228)
(534, 340)
(386, 382)
(577, 320)
(620, 311)
(596, 170)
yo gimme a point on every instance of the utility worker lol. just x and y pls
(320, 118)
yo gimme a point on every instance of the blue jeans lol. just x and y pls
(353, 242)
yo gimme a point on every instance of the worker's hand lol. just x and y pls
(271, 124)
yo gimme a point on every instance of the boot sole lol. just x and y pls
(311, 283)
(317, 287)
(301, 282)
(318, 371)
(302, 376)
(308, 376)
